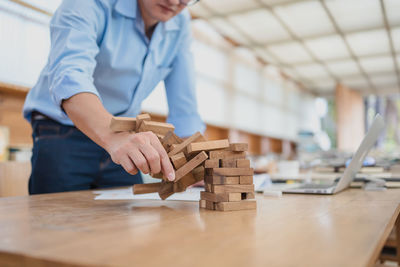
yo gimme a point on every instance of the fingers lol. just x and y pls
(142, 151)
(128, 165)
(152, 157)
(139, 160)
(166, 165)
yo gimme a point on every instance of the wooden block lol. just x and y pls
(211, 163)
(178, 160)
(246, 179)
(207, 145)
(225, 154)
(146, 188)
(243, 163)
(198, 173)
(230, 171)
(158, 175)
(208, 187)
(140, 118)
(216, 179)
(160, 137)
(183, 183)
(193, 163)
(225, 197)
(238, 147)
(180, 147)
(169, 139)
(123, 124)
(240, 205)
(230, 188)
(228, 163)
(166, 189)
(158, 128)
(209, 205)
(248, 195)
(202, 204)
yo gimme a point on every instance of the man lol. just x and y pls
(106, 57)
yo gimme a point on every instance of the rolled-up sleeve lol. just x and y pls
(75, 30)
(181, 90)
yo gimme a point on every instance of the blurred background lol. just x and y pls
(299, 80)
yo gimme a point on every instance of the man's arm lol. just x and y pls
(181, 89)
(75, 30)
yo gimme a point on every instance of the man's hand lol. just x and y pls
(141, 151)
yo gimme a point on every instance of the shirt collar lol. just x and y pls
(129, 8)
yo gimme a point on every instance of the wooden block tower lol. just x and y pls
(228, 180)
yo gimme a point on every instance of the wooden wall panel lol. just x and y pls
(14, 178)
(350, 118)
(11, 116)
(216, 133)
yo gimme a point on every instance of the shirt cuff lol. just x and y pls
(70, 85)
(187, 125)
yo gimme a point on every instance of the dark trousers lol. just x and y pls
(65, 159)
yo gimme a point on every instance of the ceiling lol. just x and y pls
(318, 43)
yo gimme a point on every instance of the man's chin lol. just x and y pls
(163, 17)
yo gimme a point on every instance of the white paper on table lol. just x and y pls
(191, 194)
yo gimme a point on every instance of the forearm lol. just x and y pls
(89, 115)
(141, 151)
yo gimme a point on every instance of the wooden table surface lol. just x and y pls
(347, 229)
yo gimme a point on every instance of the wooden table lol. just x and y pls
(348, 229)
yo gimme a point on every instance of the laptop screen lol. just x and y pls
(362, 151)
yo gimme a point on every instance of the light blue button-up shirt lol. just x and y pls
(100, 47)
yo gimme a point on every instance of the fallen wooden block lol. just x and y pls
(229, 188)
(184, 182)
(225, 154)
(207, 145)
(158, 175)
(246, 179)
(160, 137)
(166, 189)
(211, 163)
(193, 163)
(180, 147)
(238, 147)
(243, 163)
(224, 197)
(178, 160)
(239, 205)
(198, 173)
(158, 128)
(140, 118)
(169, 139)
(146, 188)
(228, 163)
(230, 171)
(216, 179)
(123, 124)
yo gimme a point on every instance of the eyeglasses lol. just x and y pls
(188, 2)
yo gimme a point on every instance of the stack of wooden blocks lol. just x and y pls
(228, 180)
(224, 167)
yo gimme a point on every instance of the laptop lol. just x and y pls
(351, 170)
